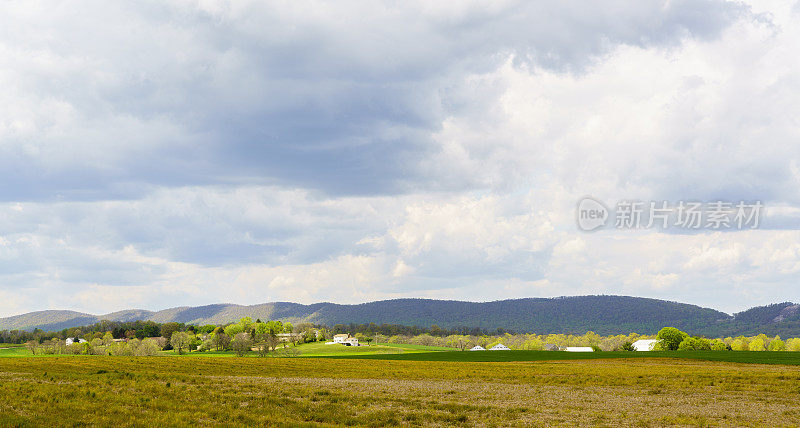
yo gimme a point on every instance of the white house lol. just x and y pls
(579, 349)
(71, 340)
(288, 337)
(343, 339)
(499, 347)
(478, 348)
(351, 341)
(644, 344)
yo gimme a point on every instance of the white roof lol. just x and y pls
(644, 344)
(478, 348)
(579, 349)
(499, 347)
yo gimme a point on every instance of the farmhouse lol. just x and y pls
(644, 344)
(71, 340)
(579, 349)
(340, 338)
(499, 347)
(288, 337)
(478, 348)
(344, 339)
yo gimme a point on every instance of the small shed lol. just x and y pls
(478, 348)
(579, 349)
(499, 347)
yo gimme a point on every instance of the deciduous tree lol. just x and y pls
(671, 338)
(180, 341)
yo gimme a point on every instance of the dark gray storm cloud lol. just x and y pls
(343, 98)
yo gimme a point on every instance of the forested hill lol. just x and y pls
(601, 314)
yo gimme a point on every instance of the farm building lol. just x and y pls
(344, 339)
(644, 344)
(71, 340)
(478, 348)
(288, 337)
(579, 349)
(340, 338)
(499, 347)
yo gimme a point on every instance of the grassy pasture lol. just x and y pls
(305, 350)
(786, 358)
(402, 352)
(324, 391)
(7, 350)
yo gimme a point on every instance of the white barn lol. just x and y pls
(644, 344)
(579, 349)
(478, 348)
(71, 340)
(499, 347)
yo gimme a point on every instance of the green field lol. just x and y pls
(787, 358)
(317, 349)
(390, 384)
(403, 352)
(13, 351)
(161, 391)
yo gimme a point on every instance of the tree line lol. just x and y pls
(143, 338)
(404, 330)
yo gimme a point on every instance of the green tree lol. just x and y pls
(757, 344)
(627, 346)
(233, 329)
(180, 341)
(221, 340)
(702, 344)
(671, 338)
(718, 345)
(148, 347)
(108, 339)
(458, 341)
(687, 344)
(533, 344)
(273, 329)
(167, 329)
(777, 344)
(739, 344)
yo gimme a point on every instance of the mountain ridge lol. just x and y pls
(603, 314)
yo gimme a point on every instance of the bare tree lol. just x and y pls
(241, 343)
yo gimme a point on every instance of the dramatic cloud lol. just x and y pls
(191, 152)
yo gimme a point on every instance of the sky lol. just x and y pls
(166, 153)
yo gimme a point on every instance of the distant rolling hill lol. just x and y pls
(601, 314)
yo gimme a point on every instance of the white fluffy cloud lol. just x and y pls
(195, 152)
